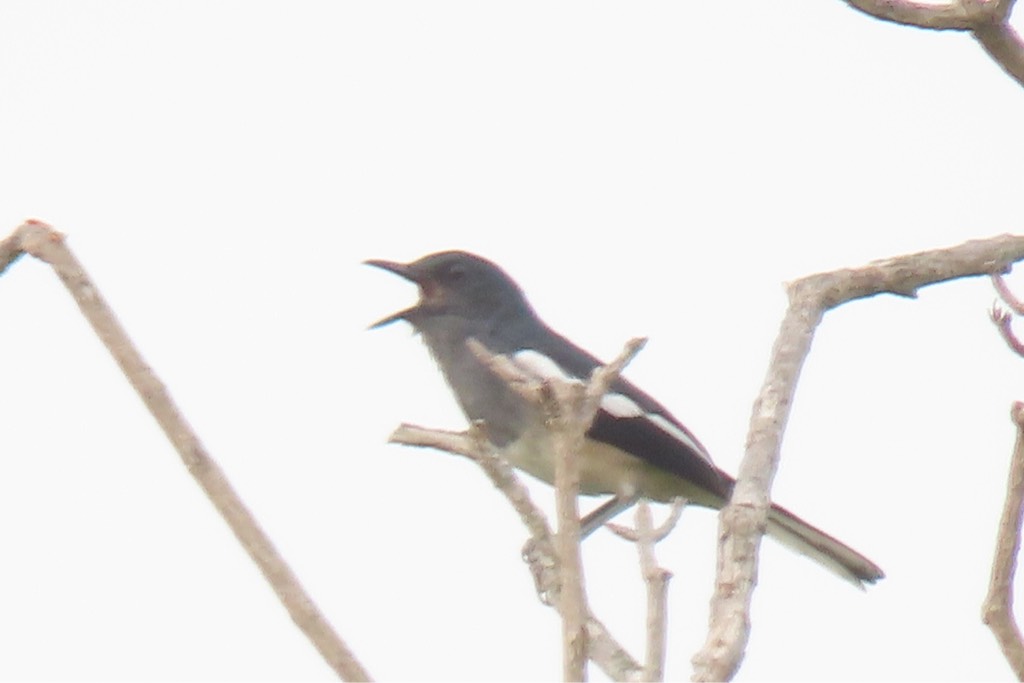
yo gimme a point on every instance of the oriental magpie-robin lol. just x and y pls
(635, 447)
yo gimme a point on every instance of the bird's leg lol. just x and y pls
(604, 512)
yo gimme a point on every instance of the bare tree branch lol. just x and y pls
(955, 16)
(471, 445)
(563, 403)
(611, 657)
(986, 20)
(743, 520)
(997, 610)
(1003, 44)
(46, 244)
(658, 533)
(657, 580)
(646, 536)
(519, 381)
(10, 247)
(603, 377)
(570, 408)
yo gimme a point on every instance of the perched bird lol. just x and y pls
(635, 447)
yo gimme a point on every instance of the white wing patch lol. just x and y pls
(617, 405)
(540, 366)
(679, 434)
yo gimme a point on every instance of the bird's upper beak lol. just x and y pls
(406, 271)
(403, 269)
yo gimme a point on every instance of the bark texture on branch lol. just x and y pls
(742, 522)
(46, 244)
(603, 649)
(997, 610)
(569, 409)
(988, 21)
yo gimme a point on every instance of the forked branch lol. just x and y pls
(741, 523)
(646, 536)
(603, 649)
(987, 20)
(570, 408)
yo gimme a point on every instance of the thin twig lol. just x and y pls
(743, 520)
(997, 610)
(603, 649)
(563, 403)
(515, 378)
(538, 552)
(501, 474)
(656, 579)
(658, 533)
(645, 535)
(603, 377)
(46, 244)
(571, 409)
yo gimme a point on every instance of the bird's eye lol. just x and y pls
(455, 273)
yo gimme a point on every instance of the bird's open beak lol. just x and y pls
(392, 267)
(403, 270)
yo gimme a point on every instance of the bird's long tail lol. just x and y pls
(831, 553)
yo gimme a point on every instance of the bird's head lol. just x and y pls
(455, 283)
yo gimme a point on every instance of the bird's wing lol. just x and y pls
(629, 419)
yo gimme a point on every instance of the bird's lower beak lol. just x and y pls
(403, 270)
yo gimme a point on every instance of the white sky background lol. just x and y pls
(647, 169)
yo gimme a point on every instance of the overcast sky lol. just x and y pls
(653, 169)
